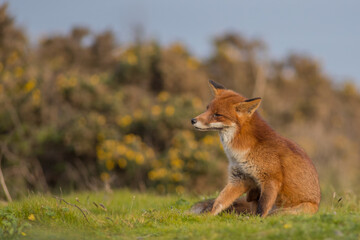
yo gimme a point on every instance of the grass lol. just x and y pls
(128, 215)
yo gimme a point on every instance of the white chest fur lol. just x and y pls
(238, 159)
(235, 156)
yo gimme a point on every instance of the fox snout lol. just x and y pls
(204, 122)
(198, 123)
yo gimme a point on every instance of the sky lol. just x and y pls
(327, 30)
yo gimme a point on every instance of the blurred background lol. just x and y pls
(99, 95)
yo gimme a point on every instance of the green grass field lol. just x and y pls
(128, 215)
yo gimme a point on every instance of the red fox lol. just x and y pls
(275, 173)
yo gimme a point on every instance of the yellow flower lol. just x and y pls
(94, 80)
(173, 153)
(169, 110)
(152, 175)
(110, 144)
(105, 176)
(161, 172)
(36, 97)
(109, 165)
(179, 189)
(130, 154)
(101, 154)
(208, 140)
(163, 96)
(131, 57)
(72, 82)
(177, 163)
(156, 110)
(24, 234)
(177, 177)
(31, 217)
(29, 85)
(124, 121)
(122, 163)
(287, 225)
(129, 138)
(120, 149)
(63, 82)
(139, 159)
(19, 72)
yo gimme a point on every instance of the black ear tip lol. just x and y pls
(252, 99)
(216, 85)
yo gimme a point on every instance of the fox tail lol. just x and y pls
(240, 206)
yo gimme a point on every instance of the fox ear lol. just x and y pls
(216, 88)
(249, 106)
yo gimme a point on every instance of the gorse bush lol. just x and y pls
(180, 158)
(81, 116)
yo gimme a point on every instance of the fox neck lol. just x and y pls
(245, 137)
(227, 135)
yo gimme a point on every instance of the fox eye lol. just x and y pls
(217, 115)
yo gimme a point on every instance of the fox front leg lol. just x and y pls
(227, 196)
(269, 192)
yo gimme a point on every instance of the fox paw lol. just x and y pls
(216, 209)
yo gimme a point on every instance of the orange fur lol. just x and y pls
(276, 174)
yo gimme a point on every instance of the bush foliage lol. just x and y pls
(81, 116)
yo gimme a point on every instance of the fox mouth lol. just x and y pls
(209, 129)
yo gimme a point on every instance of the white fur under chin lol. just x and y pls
(236, 157)
(216, 125)
(227, 135)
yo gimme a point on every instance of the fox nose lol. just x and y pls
(193, 121)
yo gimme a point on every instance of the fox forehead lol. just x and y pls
(225, 101)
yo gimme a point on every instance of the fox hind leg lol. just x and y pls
(303, 208)
(242, 206)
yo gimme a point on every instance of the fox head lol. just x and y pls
(228, 109)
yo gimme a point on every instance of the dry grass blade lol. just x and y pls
(2, 180)
(74, 205)
(101, 205)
